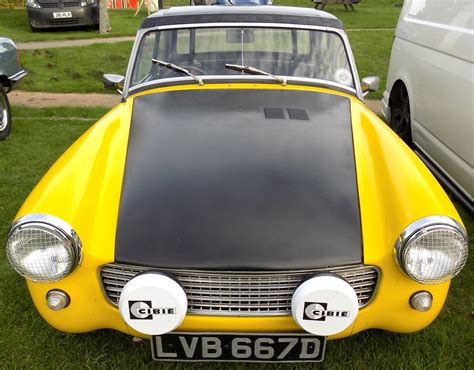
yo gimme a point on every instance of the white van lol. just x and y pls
(429, 98)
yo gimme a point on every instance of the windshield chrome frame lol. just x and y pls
(142, 32)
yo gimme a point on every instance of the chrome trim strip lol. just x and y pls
(352, 63)
(242, 24)
(131, 62)
(341, 33)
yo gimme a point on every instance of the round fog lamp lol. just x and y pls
(325, 304)
(421, 301)
(153, 303)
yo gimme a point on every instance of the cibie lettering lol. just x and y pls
(318, 311)
(144, 310)
(330, 313)
(157, 311)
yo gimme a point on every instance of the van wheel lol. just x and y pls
(400, 118)
(5, 114)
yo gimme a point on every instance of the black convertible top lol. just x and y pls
(233, 14)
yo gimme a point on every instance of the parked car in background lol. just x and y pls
(62, 13)
(429, 96)
(10, 73)
(242, 202)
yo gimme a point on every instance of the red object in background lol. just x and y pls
(122, 4)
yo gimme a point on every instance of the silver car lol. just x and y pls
(10, 73)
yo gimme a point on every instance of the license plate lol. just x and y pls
(62, 15)
(238, 347)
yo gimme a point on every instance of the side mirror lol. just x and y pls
(370, 84)
(112, 81)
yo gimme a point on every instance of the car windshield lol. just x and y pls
(277, 51)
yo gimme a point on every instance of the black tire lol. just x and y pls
(33, 29)
(5, 114)
(400, 116)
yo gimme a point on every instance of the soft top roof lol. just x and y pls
(252, 14)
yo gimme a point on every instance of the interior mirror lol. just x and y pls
(370, 84)
(238, 35)
(112, 81)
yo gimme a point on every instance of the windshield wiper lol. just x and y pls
(177, 68)
(254, 71)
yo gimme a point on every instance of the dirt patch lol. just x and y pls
(374, 105)
(67, 43)
(44, 100)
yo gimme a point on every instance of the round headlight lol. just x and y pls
(43, 248)
(432, 250)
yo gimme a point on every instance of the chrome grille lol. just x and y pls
(240, 293)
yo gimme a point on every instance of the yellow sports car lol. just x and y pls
(241, 203)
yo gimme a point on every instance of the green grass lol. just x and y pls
(77, 69)
(369, 13)
(26, 113)
(26, 341)
(372, 55)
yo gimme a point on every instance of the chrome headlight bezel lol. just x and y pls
(53, 226)
(419, 228)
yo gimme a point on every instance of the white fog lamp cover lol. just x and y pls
(153, 303)
(324, 305)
